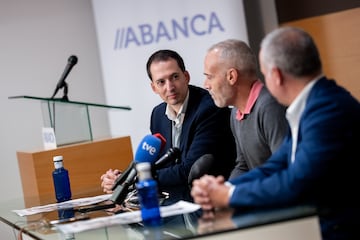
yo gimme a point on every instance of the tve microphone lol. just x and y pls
(163, 140)
(144, 153)
(147, 151)
(171, 155)
(61, 83)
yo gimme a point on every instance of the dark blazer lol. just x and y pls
(326, 167)
(206, 129)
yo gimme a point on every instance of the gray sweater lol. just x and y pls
(259, 134)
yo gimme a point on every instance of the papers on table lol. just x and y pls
(180, 207)
(63, 205)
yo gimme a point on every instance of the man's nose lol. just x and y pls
(206, 84)
(169, 84)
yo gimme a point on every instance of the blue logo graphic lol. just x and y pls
(148, 148)
(145, 34)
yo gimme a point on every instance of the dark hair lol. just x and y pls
(164, 55)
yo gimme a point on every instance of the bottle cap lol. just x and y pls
(57, 158)
(144, 170)
(143, 166)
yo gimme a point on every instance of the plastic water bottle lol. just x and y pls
(61, 180)
(148, 195)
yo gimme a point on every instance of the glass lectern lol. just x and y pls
(70, 119)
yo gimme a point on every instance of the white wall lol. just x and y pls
(128, 35)
(37, 38)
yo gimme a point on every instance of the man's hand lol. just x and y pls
(210, 192)
(214, 221)
(108, 179)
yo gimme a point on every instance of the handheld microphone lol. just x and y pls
(72, 60)
(171, 155)
(147, 151)
(201, 167)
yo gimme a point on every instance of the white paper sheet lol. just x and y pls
(180, 207)
(63, 205)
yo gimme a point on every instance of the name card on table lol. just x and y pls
(49, 139)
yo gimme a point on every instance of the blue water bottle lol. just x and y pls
(148, 195)
(61, 180)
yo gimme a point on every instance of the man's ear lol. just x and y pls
(153, 87)
(187, 76)
(277, 75)
(232, 75)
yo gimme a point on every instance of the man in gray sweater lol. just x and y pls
(258, 121)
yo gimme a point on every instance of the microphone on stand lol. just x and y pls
(121, 191)
(121, 179)
(72, 60)
(148, 151)
(127, 178)
(171, 155)
(139, 157)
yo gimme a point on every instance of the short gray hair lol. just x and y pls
(237, 54)
(292, 50)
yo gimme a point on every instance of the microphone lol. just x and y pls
(72, 60)
(147, 151)
(163, 140)
(141, 156)
(201, 167)
(123, 176)
(171, 155)
(121, 191)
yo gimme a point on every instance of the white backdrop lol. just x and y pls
(129, 32)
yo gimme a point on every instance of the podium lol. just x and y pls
(85, 158)
(70, 119)
(86, 162)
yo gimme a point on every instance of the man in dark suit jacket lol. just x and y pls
(189, 120)
(205, 128)
(318, 162)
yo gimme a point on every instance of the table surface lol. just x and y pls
(186, 226)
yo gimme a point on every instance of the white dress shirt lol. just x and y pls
(177, 121)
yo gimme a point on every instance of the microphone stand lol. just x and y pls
(128, 178)
(65, 93)
(117, 197)
(121, 191)
(64, 98)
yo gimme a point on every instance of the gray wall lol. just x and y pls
(261, 18)
(37, 38)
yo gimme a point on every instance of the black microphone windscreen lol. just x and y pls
(201, 167)
(73, 59)
(171, 155)
(123, 176)
(121, 191)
